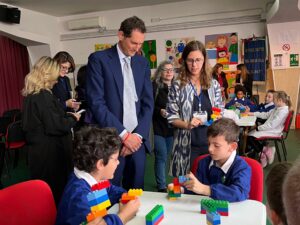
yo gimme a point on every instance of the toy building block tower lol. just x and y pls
(98, 200)
(155, 215)
(216, 113)
(219, 206)
(131, 195)
(174, 192)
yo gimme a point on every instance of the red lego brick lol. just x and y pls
(101, 185)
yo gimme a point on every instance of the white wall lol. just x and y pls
(81, 53)
(41, 31)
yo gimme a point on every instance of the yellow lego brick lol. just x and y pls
(172, 198)
(213, 116)
(101, 206)
(135, 192)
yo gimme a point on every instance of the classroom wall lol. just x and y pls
(286, 77)
(43, 33)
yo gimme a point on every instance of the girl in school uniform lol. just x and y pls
(274, 124)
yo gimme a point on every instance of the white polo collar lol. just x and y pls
(227, 164)
(85, 176)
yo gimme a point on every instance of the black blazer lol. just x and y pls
(247, 84)
(62, 91)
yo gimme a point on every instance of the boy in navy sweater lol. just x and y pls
(222, 175)
(95, 157)
(240, 101)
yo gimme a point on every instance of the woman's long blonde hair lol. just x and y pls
(43, 75)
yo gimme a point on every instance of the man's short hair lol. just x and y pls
(224, 127)
(132, 23)
(92, 144)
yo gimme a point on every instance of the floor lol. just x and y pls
(20, 173)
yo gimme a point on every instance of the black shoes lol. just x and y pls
(163, 190)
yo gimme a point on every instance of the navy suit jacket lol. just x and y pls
(104, 91)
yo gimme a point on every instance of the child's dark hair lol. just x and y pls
(271, 91)
(92, 144)
(239, 88)
(284, 97)
(224, 127)
(274, 184)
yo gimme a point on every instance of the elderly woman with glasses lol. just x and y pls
(191, 99)
(163, 133)
(62, 89)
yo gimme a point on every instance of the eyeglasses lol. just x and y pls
(65, 68)
(192, 61)
(168, 70)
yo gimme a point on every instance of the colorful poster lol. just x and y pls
(223, 48)
(294, 59)
(100, 47)
(230, 77)
(148, 50)
(174, 49)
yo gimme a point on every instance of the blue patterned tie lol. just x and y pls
(129, 98)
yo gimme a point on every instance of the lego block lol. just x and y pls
(173, 195)
(98, 200)
(154, 213)
(126, 198)
(135, 192)
(92, 215)
(175, 181)
(101, 206)
(177, 189)
(213, 217)
(101, 185)
(216, 109)
(214, 206)
(96, 194)
(182, 179)
(156, 220)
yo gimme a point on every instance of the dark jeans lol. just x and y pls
(162, 148)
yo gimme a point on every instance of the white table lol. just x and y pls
(246, 122)
(186, 211)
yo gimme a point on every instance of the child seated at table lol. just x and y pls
(222, 175)
(95, 157)
(274, 183)
(268, 105)
(240, 101)
(273, 127)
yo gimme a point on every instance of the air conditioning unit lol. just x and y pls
(85, 23)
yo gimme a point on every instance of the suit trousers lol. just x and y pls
(131, 170)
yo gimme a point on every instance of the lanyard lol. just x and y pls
(199, 97)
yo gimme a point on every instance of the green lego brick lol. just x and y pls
(154, 212)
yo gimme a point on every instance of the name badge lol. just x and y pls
(201, 115)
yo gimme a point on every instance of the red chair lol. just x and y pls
(281, 138)
(27, 203)
(257, 177)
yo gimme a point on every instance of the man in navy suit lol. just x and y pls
(107, 96)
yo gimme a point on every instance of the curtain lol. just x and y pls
(255, 58)
(14, 65)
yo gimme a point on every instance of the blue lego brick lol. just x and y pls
(96, 194)
(213, 217)
(182, 179)
(149, 222)
(98, 200)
